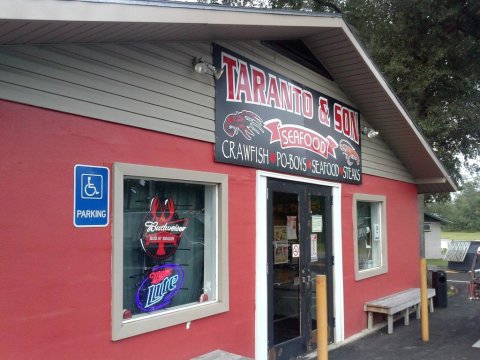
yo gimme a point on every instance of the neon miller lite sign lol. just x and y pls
(160, 286)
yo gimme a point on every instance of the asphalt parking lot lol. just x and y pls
(454, 333)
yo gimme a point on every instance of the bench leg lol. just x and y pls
(390, 324)
(370, 320)
(407, 316)
(417, 307)
(430, 307)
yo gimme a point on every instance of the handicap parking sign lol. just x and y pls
(91, 196)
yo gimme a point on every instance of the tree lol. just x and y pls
(429, 51)
(464, 210)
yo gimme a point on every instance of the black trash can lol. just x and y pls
(439, 283)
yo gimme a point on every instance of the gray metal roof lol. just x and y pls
(434, 217)
(327, 35)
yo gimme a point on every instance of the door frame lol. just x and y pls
(261, 279)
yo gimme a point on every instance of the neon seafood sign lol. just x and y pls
(160, 286)
(162, 229)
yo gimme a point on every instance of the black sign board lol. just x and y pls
(267, 121)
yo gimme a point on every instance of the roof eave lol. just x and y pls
(154, 12)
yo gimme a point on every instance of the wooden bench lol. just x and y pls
(395, 303)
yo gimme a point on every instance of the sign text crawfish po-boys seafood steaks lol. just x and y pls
(267, 121)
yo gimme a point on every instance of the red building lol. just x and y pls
(204, 202)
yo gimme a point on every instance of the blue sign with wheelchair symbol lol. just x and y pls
(91, 196)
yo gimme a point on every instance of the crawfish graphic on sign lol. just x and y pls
(244, 122)
(162, 229)
(350, 154)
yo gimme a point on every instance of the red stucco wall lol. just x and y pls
(403, 247)
(56, 279)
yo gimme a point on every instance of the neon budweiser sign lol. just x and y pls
(162, 229)
(265, 120)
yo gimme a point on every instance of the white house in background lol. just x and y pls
(432, 227)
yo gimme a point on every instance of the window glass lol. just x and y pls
(167, 257)
(170, 247)
(370, 240)
(368, 235)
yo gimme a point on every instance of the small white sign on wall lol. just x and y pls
(313, 244)
(295, 250)
(317, 223)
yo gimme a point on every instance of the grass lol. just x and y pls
(437, 262)
(468, 236)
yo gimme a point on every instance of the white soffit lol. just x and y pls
(327, 35)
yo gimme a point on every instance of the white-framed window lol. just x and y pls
(170, 247)
(427, 227)
(370, 235)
